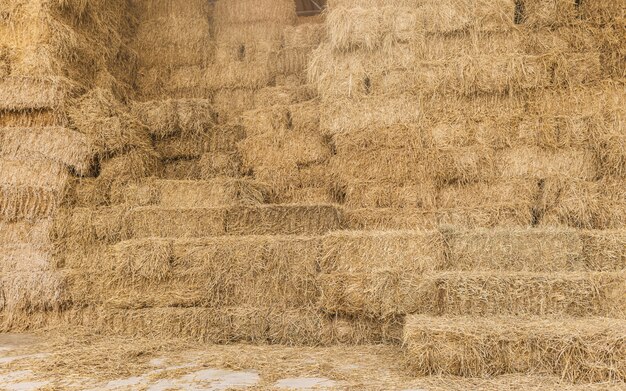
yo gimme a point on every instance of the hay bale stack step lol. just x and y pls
(31, 93)
(276, 271)
(169, 117)
(584, 350)
(30, 188)
(192, 194)
(153, 221)
(259, 325)
(58, 144)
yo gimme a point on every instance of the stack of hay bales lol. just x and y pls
(247, 35)
(283, 146)
(53, 52)
(467, 108)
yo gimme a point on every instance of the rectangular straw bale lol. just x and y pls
(155, 221)
(480, 294)
(292, 61)
(283, 220)
(283, 95)
(181, 170)
(461, 165)
(173, 57)
(249, 11)
(240, 66)
(133, 165)
(585, 350)
(191, 194)
(548, 12)
(58, 144)
(577, 69)
(33, 118)
(304, 35)
(25, 232)
(259, 325)
(83, 227)
(220, 140)
(370, 139)
(276, 270)
(373, 194)
(176, 116)
(375, 295)
(434, 47)
(305, 195)
(246, 33)
(390, 219)
(30, 189)
(393, 165)
(171, 8)
(26, 93)
(32, 291)
(154, 34)
(188, 82)
(604, 250)
(382, 251)
(218, 164)
(584, 204)
(534, 162)
(230, 103)
(348, 115)
(515, 250)
(24, 258)
(488, 216)
(602, 12)
(87, 192)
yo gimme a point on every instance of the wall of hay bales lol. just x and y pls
(486, 114)
(66, 72)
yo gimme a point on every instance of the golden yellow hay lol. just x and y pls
(585, 350)
(230, 103)
(35, 232)
(604, 250)
(57, 144)
(249, 11)
(218, 164)
(133, 165)
(26, 93)
(390, 219)
(171, 8)
(190, 194)
(33, 118)
(519, 250)
(374, 194)
(534, 162)
(480, 294)
(283, 96)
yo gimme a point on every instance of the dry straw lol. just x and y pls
(585, 350)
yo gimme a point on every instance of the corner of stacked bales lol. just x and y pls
(66, 73)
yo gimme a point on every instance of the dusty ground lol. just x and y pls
(57, 362)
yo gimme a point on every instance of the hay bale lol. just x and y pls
(57, 144)
(583, 204)
(133, 165)
(30, 189)
(182, 169)
(461, 165)
(86, 227)
(87, 192)
(534, 162)
(377, 219)
(241, 66)
(249, 11)
(304, 35)
(26, 93)
(155, 221)
(218, 164)
(376, 112)
(176, 116)
(510, 203)
(283, 96)
(24, 258)
(276, 271)
(479, 294)
(370, 139)
(231, 103)
(587, 350)
(25, 232)
(393, 165)
(32, 291)
(33, 118)
(604, 250)
(516, 250)
(246, 33)
(577, 69)
(373, 194)
(382, 251)
(259, 325)
(191, 194)
(375, 295)
(107, 123)
(283, 220)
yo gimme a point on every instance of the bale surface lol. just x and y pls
(585, 350)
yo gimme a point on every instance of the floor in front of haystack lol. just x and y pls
(81, 361)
